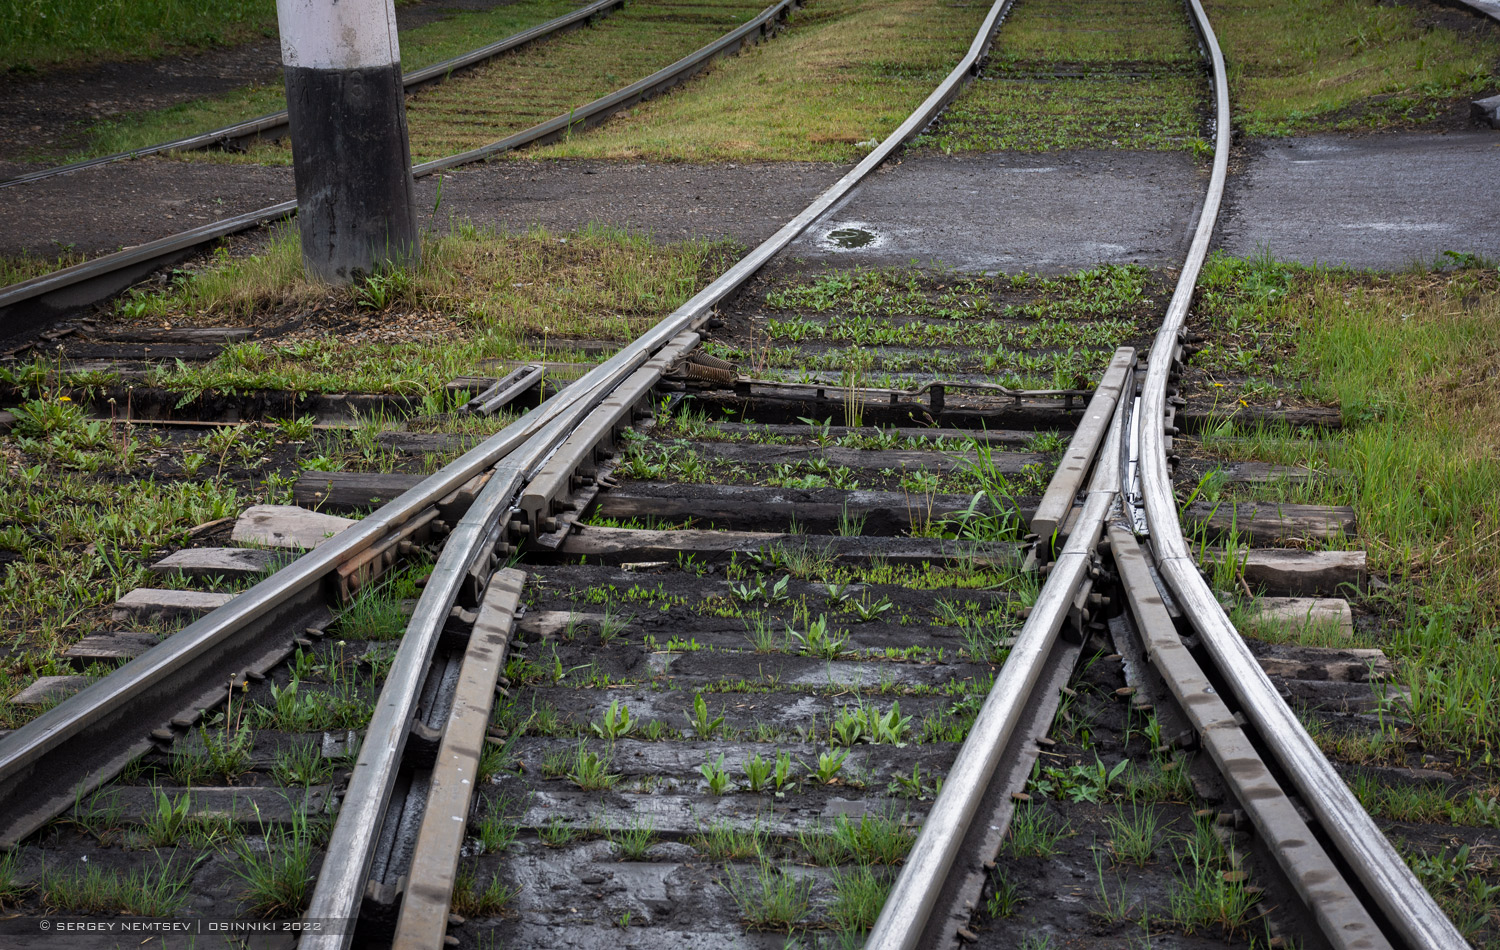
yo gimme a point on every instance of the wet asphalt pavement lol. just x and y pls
(1378, 201)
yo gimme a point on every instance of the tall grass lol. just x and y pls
(48, 32)
(1413, 361)
(847, 71)
(1300, 64)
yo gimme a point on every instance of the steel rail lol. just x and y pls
(31, 303)
(341, 883)
(35, 756)
(1408, 906)
(264, 126)
(1326, 891)
(1489, 8)
(915, 893)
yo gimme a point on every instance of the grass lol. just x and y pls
(1464, 886)
(497, 296)
(1034, 833)
(1426, 804)
(895, 327)
(474, 898)
(721, 841)
(772, 899)
(29, 264)
(79, 544)
(546, 80)
(632, 843)
(1133, 836)
(859, 893)
(13, 887)
(845, 73)
(871, 840)
(1057, 79)
(49, 32)
(302, 764)
(1304, 65)
(589, 770)
(422, 46)
(278, 878)
(90, 889)
(500, 296)
(1408, 358)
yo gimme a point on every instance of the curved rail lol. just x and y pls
(1146, 482)
(341, 884)
(267, 125)
(1489, 8)
(31, 303)
(1407, 904)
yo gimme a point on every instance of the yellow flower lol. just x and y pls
(64, 398)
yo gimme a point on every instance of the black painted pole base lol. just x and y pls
(356, 200)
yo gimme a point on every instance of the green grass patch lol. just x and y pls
(845, 72)
(502, 296)
(50, 32)
(26, 265)
(1075, 74)
(541, 82)
(1305, 65)
(1411, 359)
(77, 544)
(420, 47)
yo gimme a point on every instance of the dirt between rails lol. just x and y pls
(53, 109)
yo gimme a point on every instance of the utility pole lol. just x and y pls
(355, 194)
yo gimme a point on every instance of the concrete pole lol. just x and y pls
(355, 194)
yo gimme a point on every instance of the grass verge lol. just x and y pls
(550, 79)
(478, 295)
(73, 545)
(1411, 359)
(845, 72)
(49, 32)
(420, 47)
(1308, 65)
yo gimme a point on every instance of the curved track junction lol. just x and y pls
(707, 712)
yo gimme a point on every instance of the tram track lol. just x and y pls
(35, 303)
(842, 602)
(274, 125)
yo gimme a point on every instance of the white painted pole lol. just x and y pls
(355, 194)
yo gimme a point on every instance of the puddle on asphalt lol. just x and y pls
(850, 237)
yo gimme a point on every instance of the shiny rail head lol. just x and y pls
(1409, 908)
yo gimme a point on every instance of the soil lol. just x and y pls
(1456, 15)
(52, 110)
